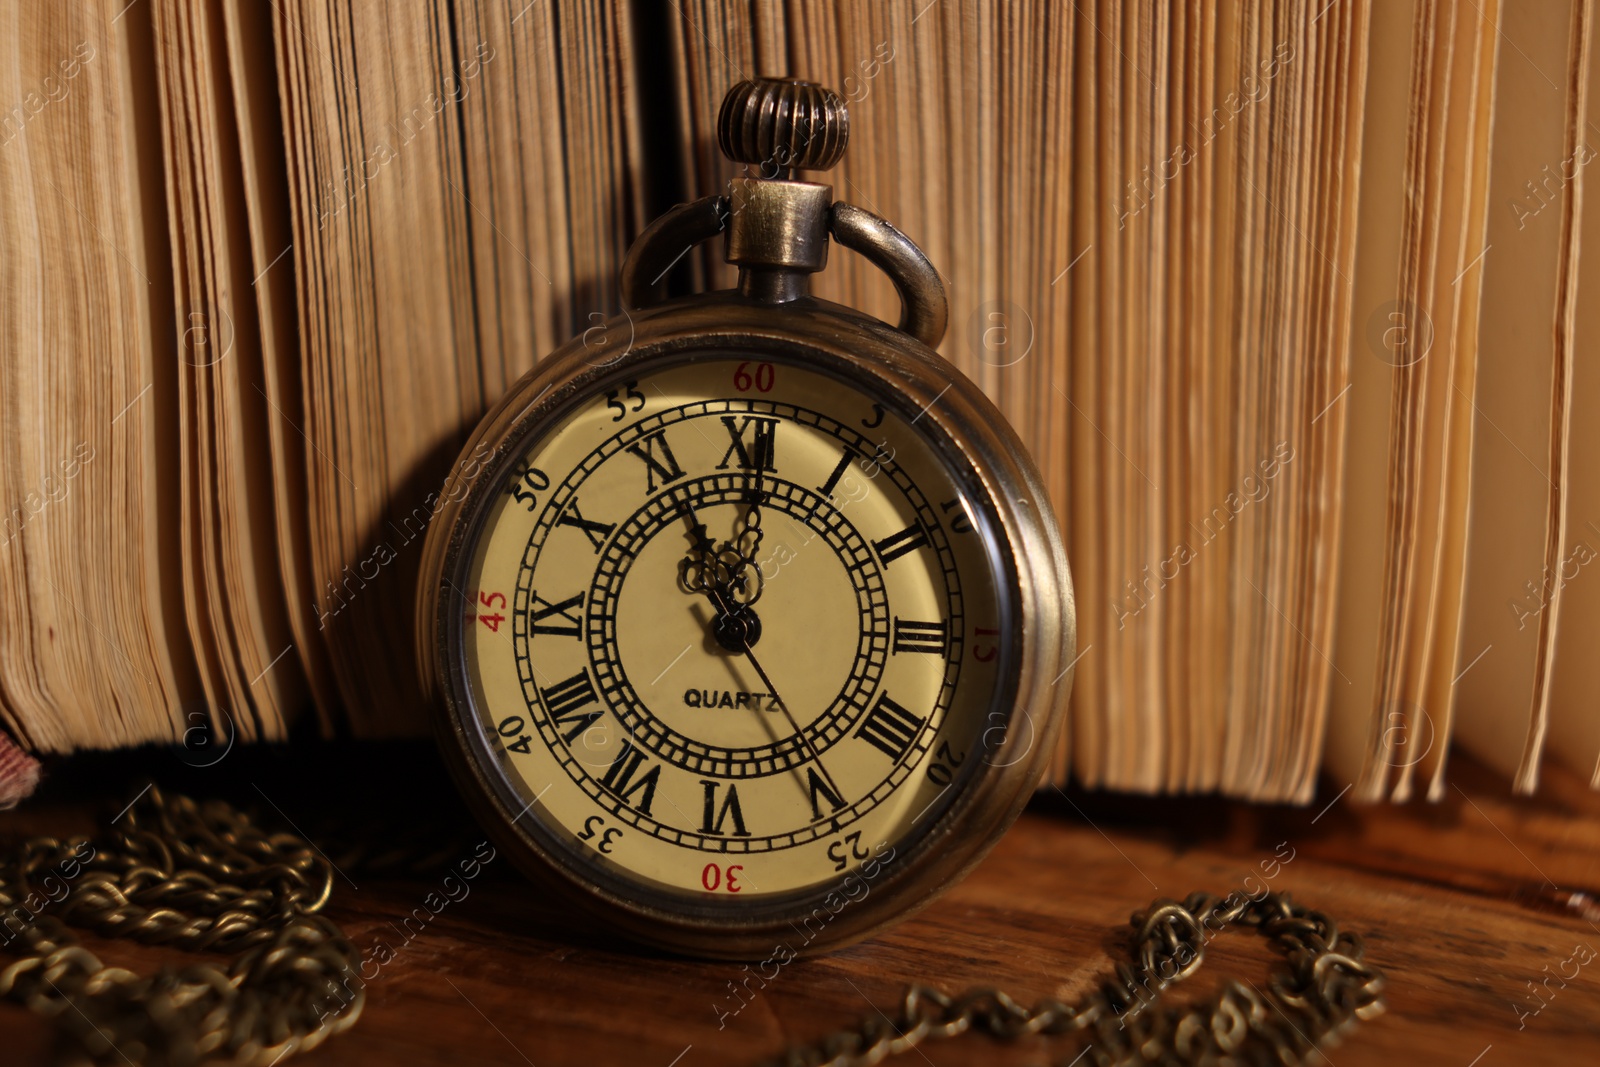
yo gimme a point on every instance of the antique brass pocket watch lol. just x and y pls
(758, 632)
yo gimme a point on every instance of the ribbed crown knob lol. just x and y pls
(782, 125)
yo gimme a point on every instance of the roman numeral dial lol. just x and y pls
(742, 618)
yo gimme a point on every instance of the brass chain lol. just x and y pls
(201, 877)
(204, 877)
(1325, 988)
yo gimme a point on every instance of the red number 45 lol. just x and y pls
(491, 621)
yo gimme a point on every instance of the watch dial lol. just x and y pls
(730, 631)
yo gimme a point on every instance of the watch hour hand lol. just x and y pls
(703, 544)
(697, 572)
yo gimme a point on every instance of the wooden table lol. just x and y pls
(1463, 903)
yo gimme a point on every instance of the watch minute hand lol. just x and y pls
(783, 705)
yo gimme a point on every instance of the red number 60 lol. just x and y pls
(762, 380)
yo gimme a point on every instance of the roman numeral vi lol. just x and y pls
(714, 818)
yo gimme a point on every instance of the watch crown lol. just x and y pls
(782, 125)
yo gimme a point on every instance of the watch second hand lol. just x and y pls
(816, 757)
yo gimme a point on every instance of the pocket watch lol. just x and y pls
(745, 615)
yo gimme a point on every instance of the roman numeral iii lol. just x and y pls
(913, 636)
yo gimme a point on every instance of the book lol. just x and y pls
(1289, 303)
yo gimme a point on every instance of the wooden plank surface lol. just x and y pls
(1463, 903)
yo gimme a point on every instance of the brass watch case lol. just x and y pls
(1010, 511)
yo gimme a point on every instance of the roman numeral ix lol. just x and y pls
(569, 611)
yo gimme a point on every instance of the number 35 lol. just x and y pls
(606, 836)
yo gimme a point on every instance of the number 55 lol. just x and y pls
(629, 391)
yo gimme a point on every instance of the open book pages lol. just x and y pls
(1289, 302)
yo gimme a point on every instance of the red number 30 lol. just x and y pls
(712, 878)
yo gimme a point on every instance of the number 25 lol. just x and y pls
(857, 853)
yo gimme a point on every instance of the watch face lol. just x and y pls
(729, 630)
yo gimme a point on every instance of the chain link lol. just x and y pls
(204, 877)
(1325, 988)
(201, 877)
